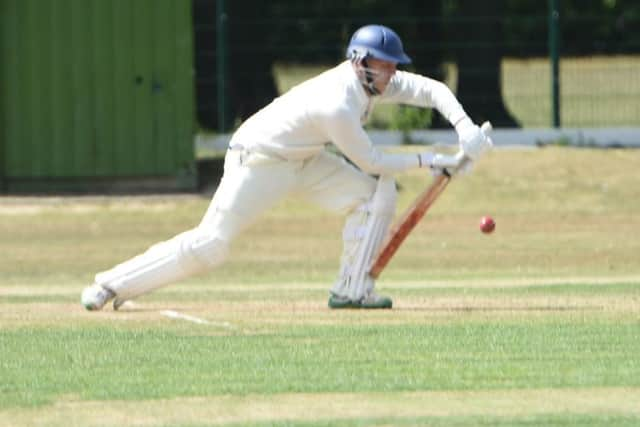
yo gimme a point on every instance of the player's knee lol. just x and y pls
(386, 195)
(203, 250)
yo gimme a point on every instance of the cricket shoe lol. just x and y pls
(94, 297)
(371, 301)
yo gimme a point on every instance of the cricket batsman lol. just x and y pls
(281, 150)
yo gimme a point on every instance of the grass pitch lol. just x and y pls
(537, 324)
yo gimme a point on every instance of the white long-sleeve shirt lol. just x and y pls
(332, 107)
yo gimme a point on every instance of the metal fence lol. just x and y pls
(540, 69)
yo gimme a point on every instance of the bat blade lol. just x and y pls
(408, 221)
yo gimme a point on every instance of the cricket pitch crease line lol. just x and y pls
(172, 314)
(181, 316)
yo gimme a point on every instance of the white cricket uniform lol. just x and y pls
(280, 150)
(288, 138)
(332, 108)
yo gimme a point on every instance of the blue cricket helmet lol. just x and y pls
(379, 42)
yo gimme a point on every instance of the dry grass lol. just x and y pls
(259, 307)
(70, 411)
(554, 291)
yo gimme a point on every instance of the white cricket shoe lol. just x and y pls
(94, 297)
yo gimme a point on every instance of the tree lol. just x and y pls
(480, 35)
(474, 34)
(249, 80)
(251, 56)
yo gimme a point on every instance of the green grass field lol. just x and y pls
(537, 324)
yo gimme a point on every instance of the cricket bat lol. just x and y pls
(411, 218)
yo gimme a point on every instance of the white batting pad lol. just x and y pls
(363, 233)
(187, 254)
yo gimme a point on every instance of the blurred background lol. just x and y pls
(102, 95)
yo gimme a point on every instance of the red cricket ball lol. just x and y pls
(487, 224)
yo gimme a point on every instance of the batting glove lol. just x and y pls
(441, 163)
(473, 141)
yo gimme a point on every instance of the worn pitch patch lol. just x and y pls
(309, 407)
(31, 290)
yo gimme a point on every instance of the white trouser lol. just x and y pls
(252, 182)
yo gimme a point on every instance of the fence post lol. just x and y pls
(221, 64)
(554, 34)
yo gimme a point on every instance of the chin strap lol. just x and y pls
(369, 74)
(367, 80)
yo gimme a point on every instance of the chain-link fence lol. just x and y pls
(496, 56)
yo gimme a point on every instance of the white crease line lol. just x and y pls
(176, 315)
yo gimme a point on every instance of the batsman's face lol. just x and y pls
(382, 72)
